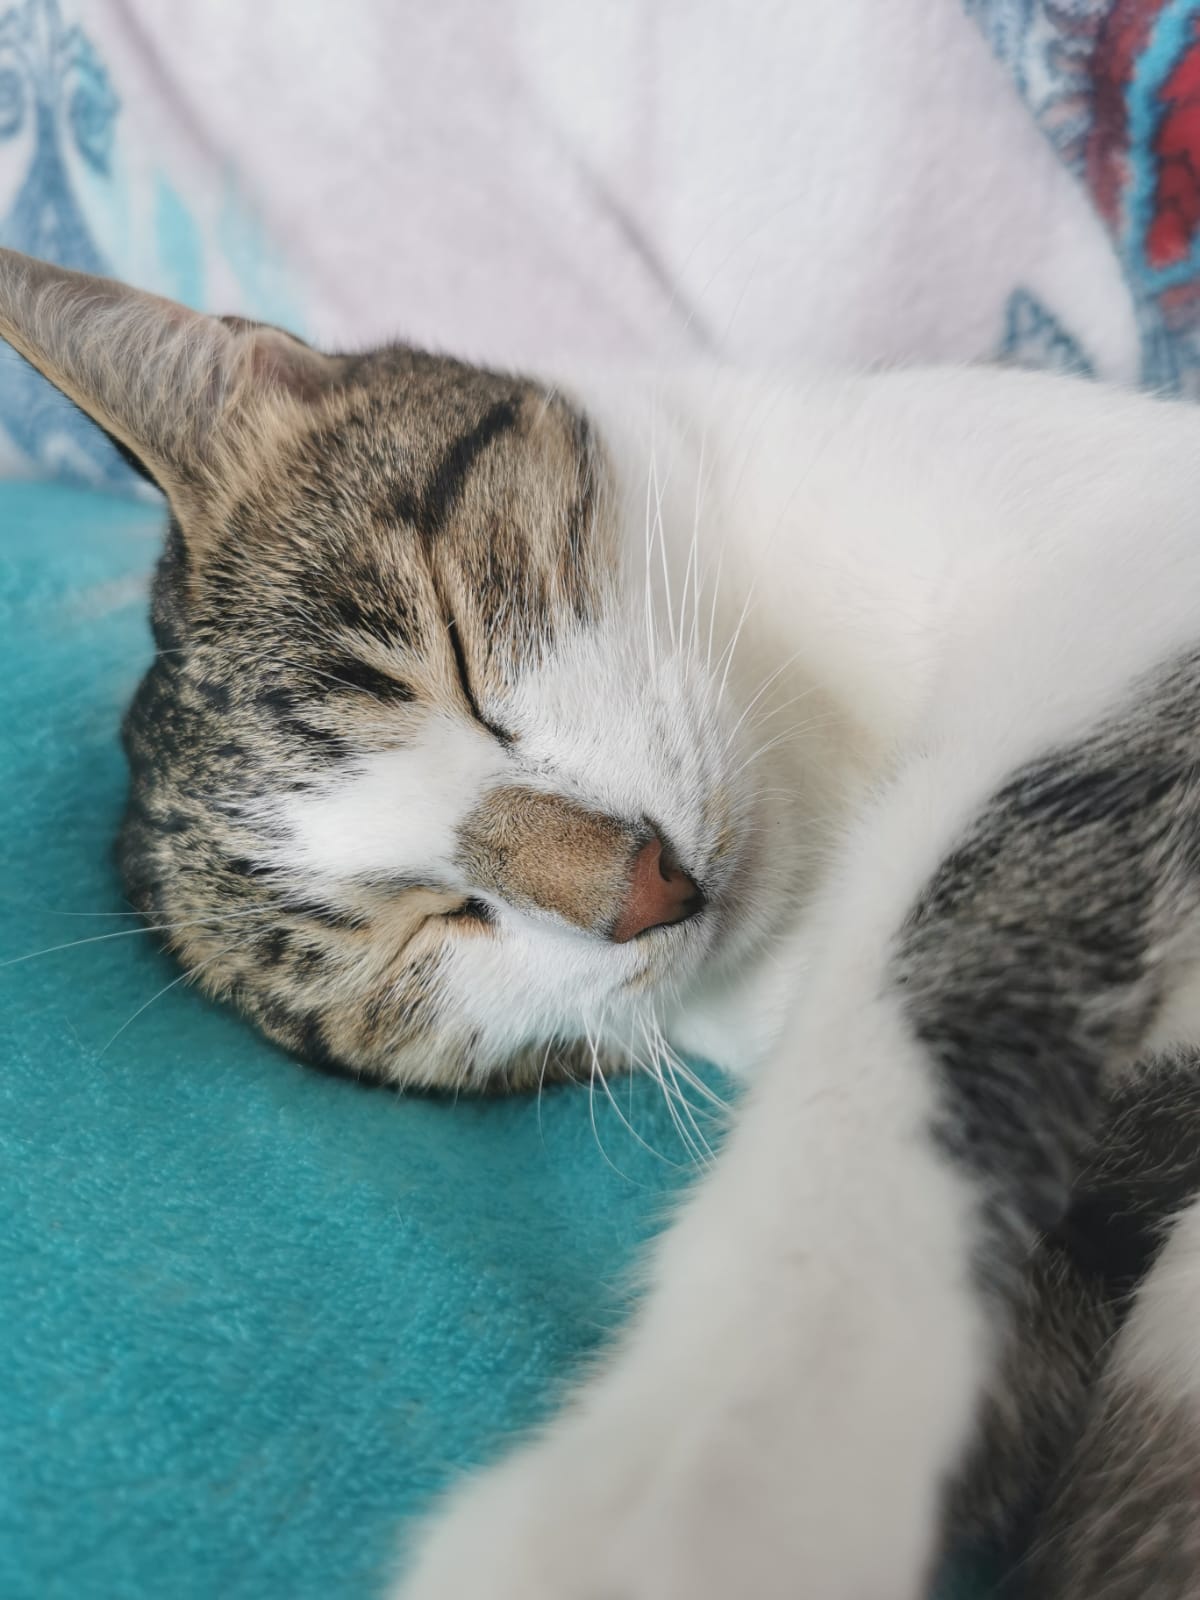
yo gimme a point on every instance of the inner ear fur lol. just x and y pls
(169, 385)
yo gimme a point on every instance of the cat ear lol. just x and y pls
(165, 382)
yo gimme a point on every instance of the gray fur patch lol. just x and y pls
(1125, 1521)
(1071, 1298)
(1037, 956)
(1036, 1405)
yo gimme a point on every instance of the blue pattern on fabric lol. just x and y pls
(1105, 83)
(57, 100)
(54, 91)
(1034, 337)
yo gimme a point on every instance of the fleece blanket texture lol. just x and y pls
(251, 1317)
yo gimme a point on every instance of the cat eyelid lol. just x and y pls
(467, 906)
(349, 671)
(464, 677)
(471, 910)
(404, 883)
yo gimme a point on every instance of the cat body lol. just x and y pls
(840, 730)
(963, 558)
(917, 563)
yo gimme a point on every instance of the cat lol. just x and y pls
(840, 730)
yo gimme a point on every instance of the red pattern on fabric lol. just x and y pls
(1177, 158)
(1121, 39)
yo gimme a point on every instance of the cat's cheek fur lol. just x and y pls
(781, 1417)
(392, 814)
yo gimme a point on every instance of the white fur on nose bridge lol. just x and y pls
(621, 737)
(395, 812)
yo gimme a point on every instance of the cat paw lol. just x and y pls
(708, 1504)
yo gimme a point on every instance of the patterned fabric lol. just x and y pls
(54, 90)
(1115, 86)
(1034, 337)
(541, 193)
(72, 190)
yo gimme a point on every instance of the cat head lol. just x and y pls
(413, 784)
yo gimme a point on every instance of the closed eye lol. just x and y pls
(353, 673)
(472, 910)
(464, 678)
(406, 885)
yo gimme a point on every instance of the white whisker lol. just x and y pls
(130, 933)
(189, 972)
(767, 682)
(595, 1054)
(659, 490)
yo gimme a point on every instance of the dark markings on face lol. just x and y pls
(275, 946)
(349, 672)
(214, 693)
(428, 510)
(313, 1046)
(398, 545)
(323, 744)
(327, 916)
(464, 678)
(247, 867)
(385, 617)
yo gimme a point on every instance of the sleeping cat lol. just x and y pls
(842, 731)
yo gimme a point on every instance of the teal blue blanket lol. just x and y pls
(251, 1317)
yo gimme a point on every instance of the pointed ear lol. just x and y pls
(167, 383)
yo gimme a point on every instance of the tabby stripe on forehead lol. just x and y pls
(429, 511)
(350, 672)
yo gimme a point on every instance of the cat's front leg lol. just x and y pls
(803, 1376)
(781, 1417)
(1011, 923)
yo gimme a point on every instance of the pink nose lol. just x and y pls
(660, 892)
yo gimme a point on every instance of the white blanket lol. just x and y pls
(539, 181)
